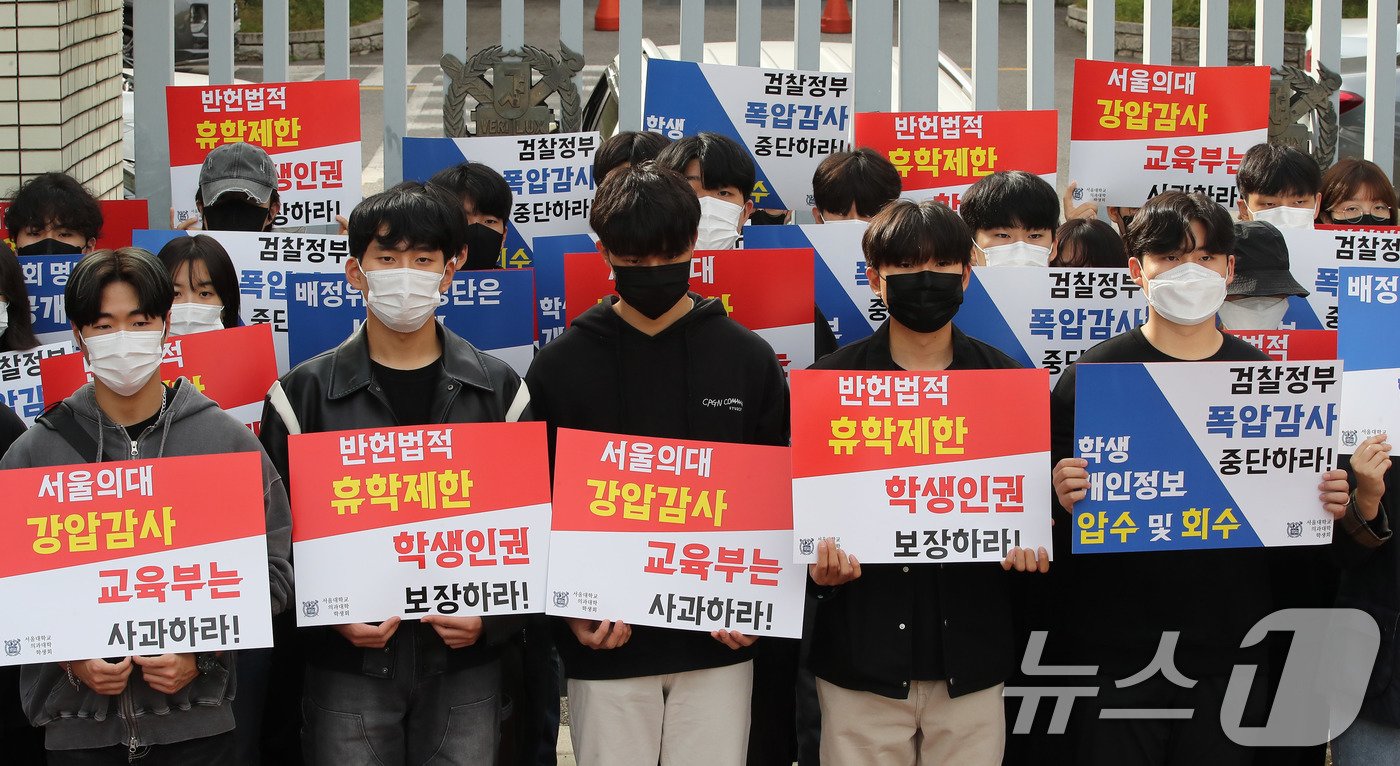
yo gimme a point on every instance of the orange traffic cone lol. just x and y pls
(836, 20)
(606, 19)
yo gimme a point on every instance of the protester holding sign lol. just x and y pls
(658, 361)
(237, 190)
(435, 684)
(722, 175)
(52, 214)
(1112, 612)
(486, 203)
(206, 285)
(891, 678)
(1279, 185)
(1012, 215)
(1374, 587)
(16, 323)
(173, 706)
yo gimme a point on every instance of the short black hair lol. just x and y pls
(1089, 242)
(1277, 170)
(82, 297)
(222, 276)
(410, 215)
(479, 184)
(1011, 198)
(19, 336)
(644, 210)
(917, 232)
(1163, 226)
(863, 178)
(723, 162)
(630, 147)
(53, 198)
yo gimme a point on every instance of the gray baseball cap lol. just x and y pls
(239, 167)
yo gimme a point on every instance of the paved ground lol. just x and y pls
(661, 24)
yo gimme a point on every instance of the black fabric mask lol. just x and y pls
(483, 247)
(1365, 219)
(923, 301)
(1127, 221)
(653, 290)
(235, 216)
(50, 247)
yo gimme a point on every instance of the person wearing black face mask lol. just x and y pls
(53, 214)
(483, 247)
(657, 361)
(911, 674)
(237, 189)
(1356, 192)
(486, 201)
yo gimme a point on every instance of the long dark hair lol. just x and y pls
(19, 336)
(222, 276)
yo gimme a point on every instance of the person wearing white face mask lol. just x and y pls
(1258, 297)
(1179, 252)
(1013, 215)
(206, 285)
(411, 682)
(1279, 185)
(722, 175)
(172, 708)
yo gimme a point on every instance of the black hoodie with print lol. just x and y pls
(706, 378)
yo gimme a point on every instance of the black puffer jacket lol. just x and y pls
(336, 391)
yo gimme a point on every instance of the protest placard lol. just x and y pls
(1193, 455)
(134, 557)
(674, 534)
(901, 467)
(441, 519)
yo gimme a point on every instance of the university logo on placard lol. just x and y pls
(12, 647)
(512, 102)
(311, 608)
(561, 598)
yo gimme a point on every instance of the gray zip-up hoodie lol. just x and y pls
(79, 718)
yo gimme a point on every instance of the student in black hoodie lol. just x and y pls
(910, 660)
(660, 361)
(1112, 610)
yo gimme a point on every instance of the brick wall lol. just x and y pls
(60, 92)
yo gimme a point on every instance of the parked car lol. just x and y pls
(191, 33)
(1352, 107)
(600, 111)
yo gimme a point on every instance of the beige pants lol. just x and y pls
(929, 728)
(698, 717)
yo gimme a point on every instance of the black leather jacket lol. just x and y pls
(336, 391)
